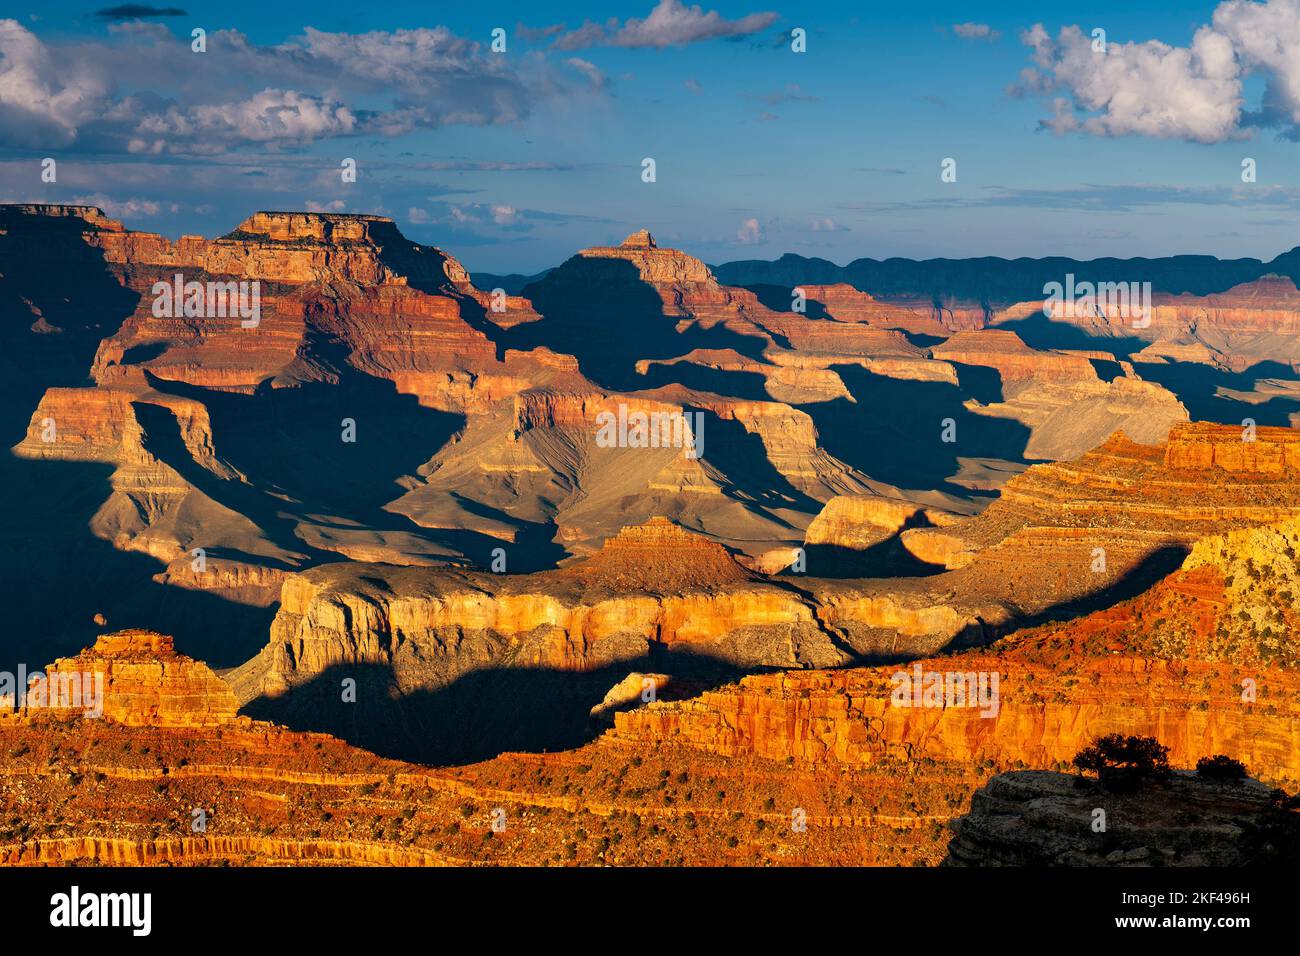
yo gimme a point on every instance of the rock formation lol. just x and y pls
(1203, 662)
(417, 639)
(477, 524)
(141, 682)
(1038, 818)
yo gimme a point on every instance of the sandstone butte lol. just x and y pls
(143, 682)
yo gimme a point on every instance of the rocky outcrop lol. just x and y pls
(1039, 818)
(632, 691)
(1007, 353)
(1060, 531)
(1266, 453)
(1041, 719)
(256, 794)
(207, 850)
(1061, 396)
(658, 557)
(843, 303)
(1235, 328)
(859, 521)
(653, 584)
(400, 311)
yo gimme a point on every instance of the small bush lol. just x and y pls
(1220, 767)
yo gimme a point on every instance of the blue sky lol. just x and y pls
(513, 161)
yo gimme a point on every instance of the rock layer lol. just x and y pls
(142, 681)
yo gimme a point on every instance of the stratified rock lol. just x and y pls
(1135, 502)
(418, 641)
(146, 683)
(1060, 395)
(658, 557)
(843, 303)
(1245, 324)
(1172, 663)
(639, 240)
(859, 521)
(632, 691)
(1269, 453)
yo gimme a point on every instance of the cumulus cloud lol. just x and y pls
(975, 31)
(278, 117)
(1148, 88)
(749, 232)
(826, 224)
(122, 208)
(69, 93)
(1266, 37)
(43, 101)
(1193, 92)
(670, 23)
(485, 214)
(504, 215)
(588, 69)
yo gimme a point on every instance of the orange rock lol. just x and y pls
(144, 682)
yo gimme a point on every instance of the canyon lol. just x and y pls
(362, 574)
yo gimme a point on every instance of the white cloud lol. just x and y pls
(826, 224)
(1192, 92)
(143, 91)
(275, 117)
(1266, 36)
(1150, 88)
(335, 205)
(593, 73)
(975, 31)
(121, 209)
(749, 232)
(43, 102)
(670, 23)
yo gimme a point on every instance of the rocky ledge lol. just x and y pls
(1041, 818)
